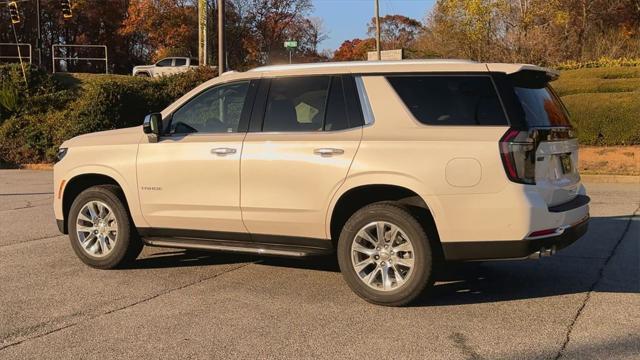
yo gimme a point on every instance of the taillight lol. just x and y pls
(517, 150)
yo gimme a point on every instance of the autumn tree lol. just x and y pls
(396, 31)
(162, 27)
(272, 22)
(532, 31)
(91, 24)
(355, 49)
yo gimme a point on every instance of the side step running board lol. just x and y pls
(234, 246)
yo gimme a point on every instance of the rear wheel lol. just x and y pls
(385, 255)
(101, 230)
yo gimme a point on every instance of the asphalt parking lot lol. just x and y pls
(582, 303)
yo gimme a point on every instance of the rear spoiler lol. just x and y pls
(519, 70)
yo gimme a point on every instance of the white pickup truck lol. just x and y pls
(165, 67)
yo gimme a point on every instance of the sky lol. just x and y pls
(347, 19)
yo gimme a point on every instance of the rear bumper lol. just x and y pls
(516, 249)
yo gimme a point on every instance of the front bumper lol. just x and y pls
(61, 226)
(516, 249)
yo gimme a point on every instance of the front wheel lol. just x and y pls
(100, 229)
(385, 255)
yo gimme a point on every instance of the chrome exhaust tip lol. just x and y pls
(543, 252)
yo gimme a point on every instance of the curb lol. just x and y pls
(617, 179)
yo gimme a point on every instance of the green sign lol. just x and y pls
(290, 44)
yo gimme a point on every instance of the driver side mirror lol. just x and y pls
(152, 126)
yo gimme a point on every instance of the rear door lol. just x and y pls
(299, 148)
(163, 67)
(179, 65)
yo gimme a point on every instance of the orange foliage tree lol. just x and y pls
(162, 27)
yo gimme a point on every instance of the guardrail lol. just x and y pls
(15, 57)
(75, 58)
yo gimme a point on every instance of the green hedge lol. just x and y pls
(604, 104)
(53, 109)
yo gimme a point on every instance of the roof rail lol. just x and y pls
(360, 63)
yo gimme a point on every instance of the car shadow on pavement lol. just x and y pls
(575, 269)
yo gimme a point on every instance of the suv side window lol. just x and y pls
(315, 103)
(296, 104)
(216, 110)
(450, 99)
(164, 62)
(180, 62)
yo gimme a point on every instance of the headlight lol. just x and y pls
(61, 153)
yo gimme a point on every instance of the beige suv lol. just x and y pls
(396, 166)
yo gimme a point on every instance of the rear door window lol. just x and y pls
(164, 63)
(451, 99)
(180, 62)
(296, 104)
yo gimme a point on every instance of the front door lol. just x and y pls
(190, 179)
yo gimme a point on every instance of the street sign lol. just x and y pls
(291, 44)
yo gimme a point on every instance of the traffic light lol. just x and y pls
(13, 11)
(66, 9)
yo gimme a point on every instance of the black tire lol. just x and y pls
(422, 274)
(128, 245)
(143, 74)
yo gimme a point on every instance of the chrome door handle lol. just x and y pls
(328, 152)
(223, 151)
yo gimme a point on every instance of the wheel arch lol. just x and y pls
(77, 184)
(356, 197)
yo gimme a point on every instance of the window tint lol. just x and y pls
(450, 100)
(164, 63)
(180, 62)
(217, 110)
(296, 104)
(541, 107)
(337, 118)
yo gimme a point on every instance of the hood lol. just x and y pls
(143, 67)
(124, 136)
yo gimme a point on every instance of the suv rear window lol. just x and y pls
(541, 106)
(450, 99)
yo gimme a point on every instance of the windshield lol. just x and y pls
(541, 107)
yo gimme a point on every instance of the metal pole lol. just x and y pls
(378, 29)
(106, 59)
(24, 74)
(39, 39)
(290, 51)
(203, 29)
(221, 44)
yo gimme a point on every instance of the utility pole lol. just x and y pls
(203, 30)
(39, 39)
(221, 47)
(378, 29)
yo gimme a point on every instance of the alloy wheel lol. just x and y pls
(97, 228)
(382, 256)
